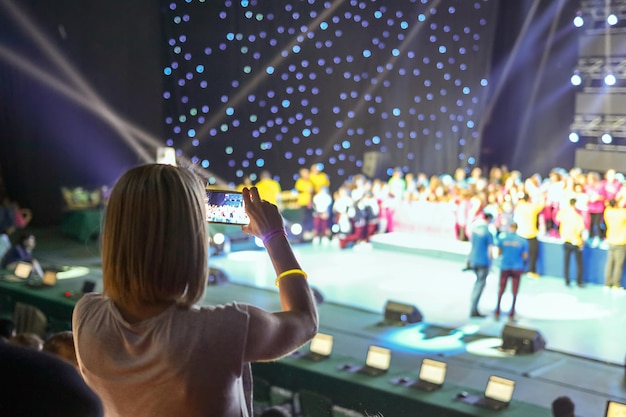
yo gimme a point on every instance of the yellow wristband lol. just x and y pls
(290, 272)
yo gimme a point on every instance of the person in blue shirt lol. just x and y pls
(482, 242)
(513, 252)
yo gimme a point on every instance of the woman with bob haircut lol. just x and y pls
(144, 346)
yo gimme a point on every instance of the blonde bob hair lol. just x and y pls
(154, 239)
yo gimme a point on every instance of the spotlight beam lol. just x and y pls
(67, 91)
(74, 76)
(507, 66)
(542, 66)
(261, 76)
(92, 101)
(104, 113)
(412, 34)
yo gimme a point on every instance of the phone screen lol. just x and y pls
(226, 207)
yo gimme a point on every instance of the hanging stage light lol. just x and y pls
(609, 79)
(574, 137)
(612, 19)
(607, 138)
(578, 20)
(576, 78)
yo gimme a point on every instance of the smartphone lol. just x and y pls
(226, 207)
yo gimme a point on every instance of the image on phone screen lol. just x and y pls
(226, 207)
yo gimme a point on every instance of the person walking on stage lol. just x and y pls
(480, 258)
(571, 228)
(513, 252)
(615, 220)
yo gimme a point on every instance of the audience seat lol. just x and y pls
(29, 319)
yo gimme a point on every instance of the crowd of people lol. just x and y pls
(574, 207)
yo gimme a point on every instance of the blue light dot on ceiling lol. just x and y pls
(367, 53)
(345, 144)
(378, 14)
(285, 103)
(395, 52)
(260, 162)
(421, 17)
(396, 112)
(484, 82)
(471, 160)
(306, 132)
(470, 124)
(442, 49)
(167, 71)
(466, 90)
(376, 140)
(404, 25)
(230, 111)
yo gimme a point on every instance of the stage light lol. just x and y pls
(296, 229)
(576, 79)
(574, 137)
(612, 19)
(579, 21)
(609, 79)
(218, 238)
(607, 138)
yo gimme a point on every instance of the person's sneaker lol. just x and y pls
(581, 285)
(533, 275)
(477, 314)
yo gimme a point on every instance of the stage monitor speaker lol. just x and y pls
(317, 296)
(375, 165)
(216, 276)
(521, 339)
(401, 314)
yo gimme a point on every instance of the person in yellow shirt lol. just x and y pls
(306, 189)
(318, 178)
(269, 189)
(571, 228)
(615, 220)
(526, 215)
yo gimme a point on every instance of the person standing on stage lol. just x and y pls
(526, 216)
(480, 258)
(306, 189)
(319, 178)
(571, 228)
(615, 220)
(513, 252)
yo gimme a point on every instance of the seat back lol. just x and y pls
(29, 319)
(313, 404)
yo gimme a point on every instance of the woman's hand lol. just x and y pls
(264, 216)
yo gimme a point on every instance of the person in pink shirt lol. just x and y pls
(595, 191)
